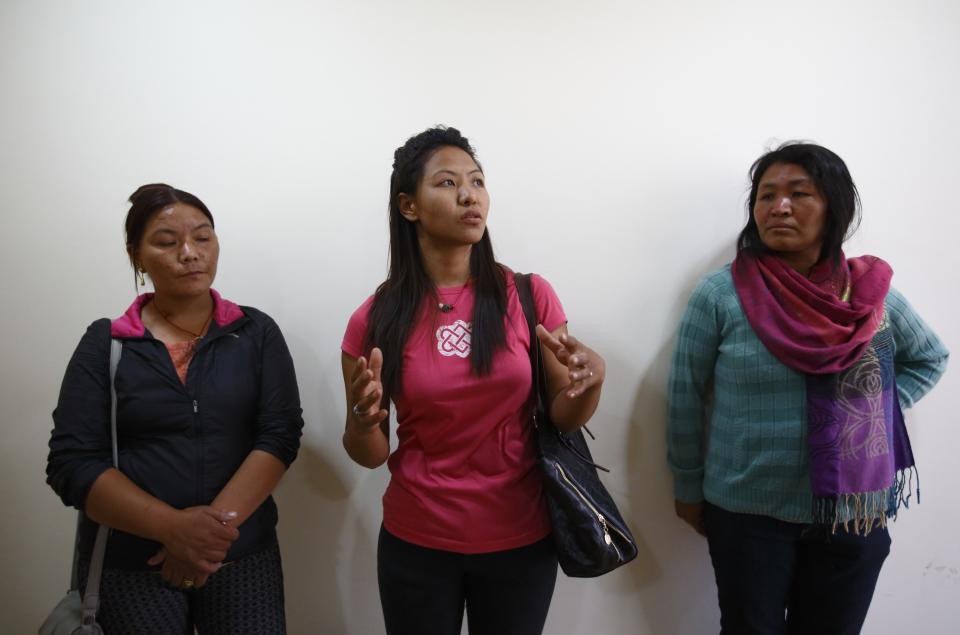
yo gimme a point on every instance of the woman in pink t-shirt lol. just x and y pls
(445, 339)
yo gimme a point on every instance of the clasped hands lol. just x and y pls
(195, 542)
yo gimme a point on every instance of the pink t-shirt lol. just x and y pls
(464, 476)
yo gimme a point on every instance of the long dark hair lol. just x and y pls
(147, 201)
(399, 301)
(832, 178)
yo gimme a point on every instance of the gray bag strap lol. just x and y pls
(116, 348)
(91, 599)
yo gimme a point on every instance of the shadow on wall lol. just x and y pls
(327, 538)
(313, 511)
(313, 502)
(672, 575)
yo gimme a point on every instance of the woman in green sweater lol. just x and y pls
(808, 357)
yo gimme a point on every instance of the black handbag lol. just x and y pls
(589, 533)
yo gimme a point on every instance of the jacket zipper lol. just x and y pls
(196, 366)
(603, 521)
(199, 446)
(194, 403)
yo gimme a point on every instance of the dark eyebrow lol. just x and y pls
(167, 230)
(444, 170)
(801, 181)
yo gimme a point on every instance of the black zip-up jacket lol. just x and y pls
(180, 443)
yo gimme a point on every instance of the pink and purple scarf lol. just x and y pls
(831, 326)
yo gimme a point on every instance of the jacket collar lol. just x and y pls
(129, 324)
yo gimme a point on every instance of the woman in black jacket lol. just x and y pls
(208, 420)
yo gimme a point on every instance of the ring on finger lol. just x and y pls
(356, 410)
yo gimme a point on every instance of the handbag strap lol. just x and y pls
(525, 295)
(91, 598)
(539, 393)
(116, 348)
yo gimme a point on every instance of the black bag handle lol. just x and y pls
(525, 295)
(539, 397)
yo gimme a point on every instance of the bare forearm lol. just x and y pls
(115, 501)
(250, 485)
(369, 448)
(570, 414)
(197, 535)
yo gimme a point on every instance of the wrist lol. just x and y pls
(357, 431)
(165, 519)
(367, 449)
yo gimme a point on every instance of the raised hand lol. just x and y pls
(585, 367)
(365, 394)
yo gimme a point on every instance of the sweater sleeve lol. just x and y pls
(691, 372)
(920, 358)
(80, 448)
(279, 419)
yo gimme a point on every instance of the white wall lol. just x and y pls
(616, 138)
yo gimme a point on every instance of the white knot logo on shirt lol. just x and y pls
(454, 339)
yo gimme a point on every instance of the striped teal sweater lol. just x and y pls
(753, 457)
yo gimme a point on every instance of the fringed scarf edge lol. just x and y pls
(865, 511)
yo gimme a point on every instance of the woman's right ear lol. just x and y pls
(408, 208)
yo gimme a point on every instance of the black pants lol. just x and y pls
(423, 591)
(780, 577)
(244, 596)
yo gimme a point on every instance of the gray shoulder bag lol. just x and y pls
(74, 615)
